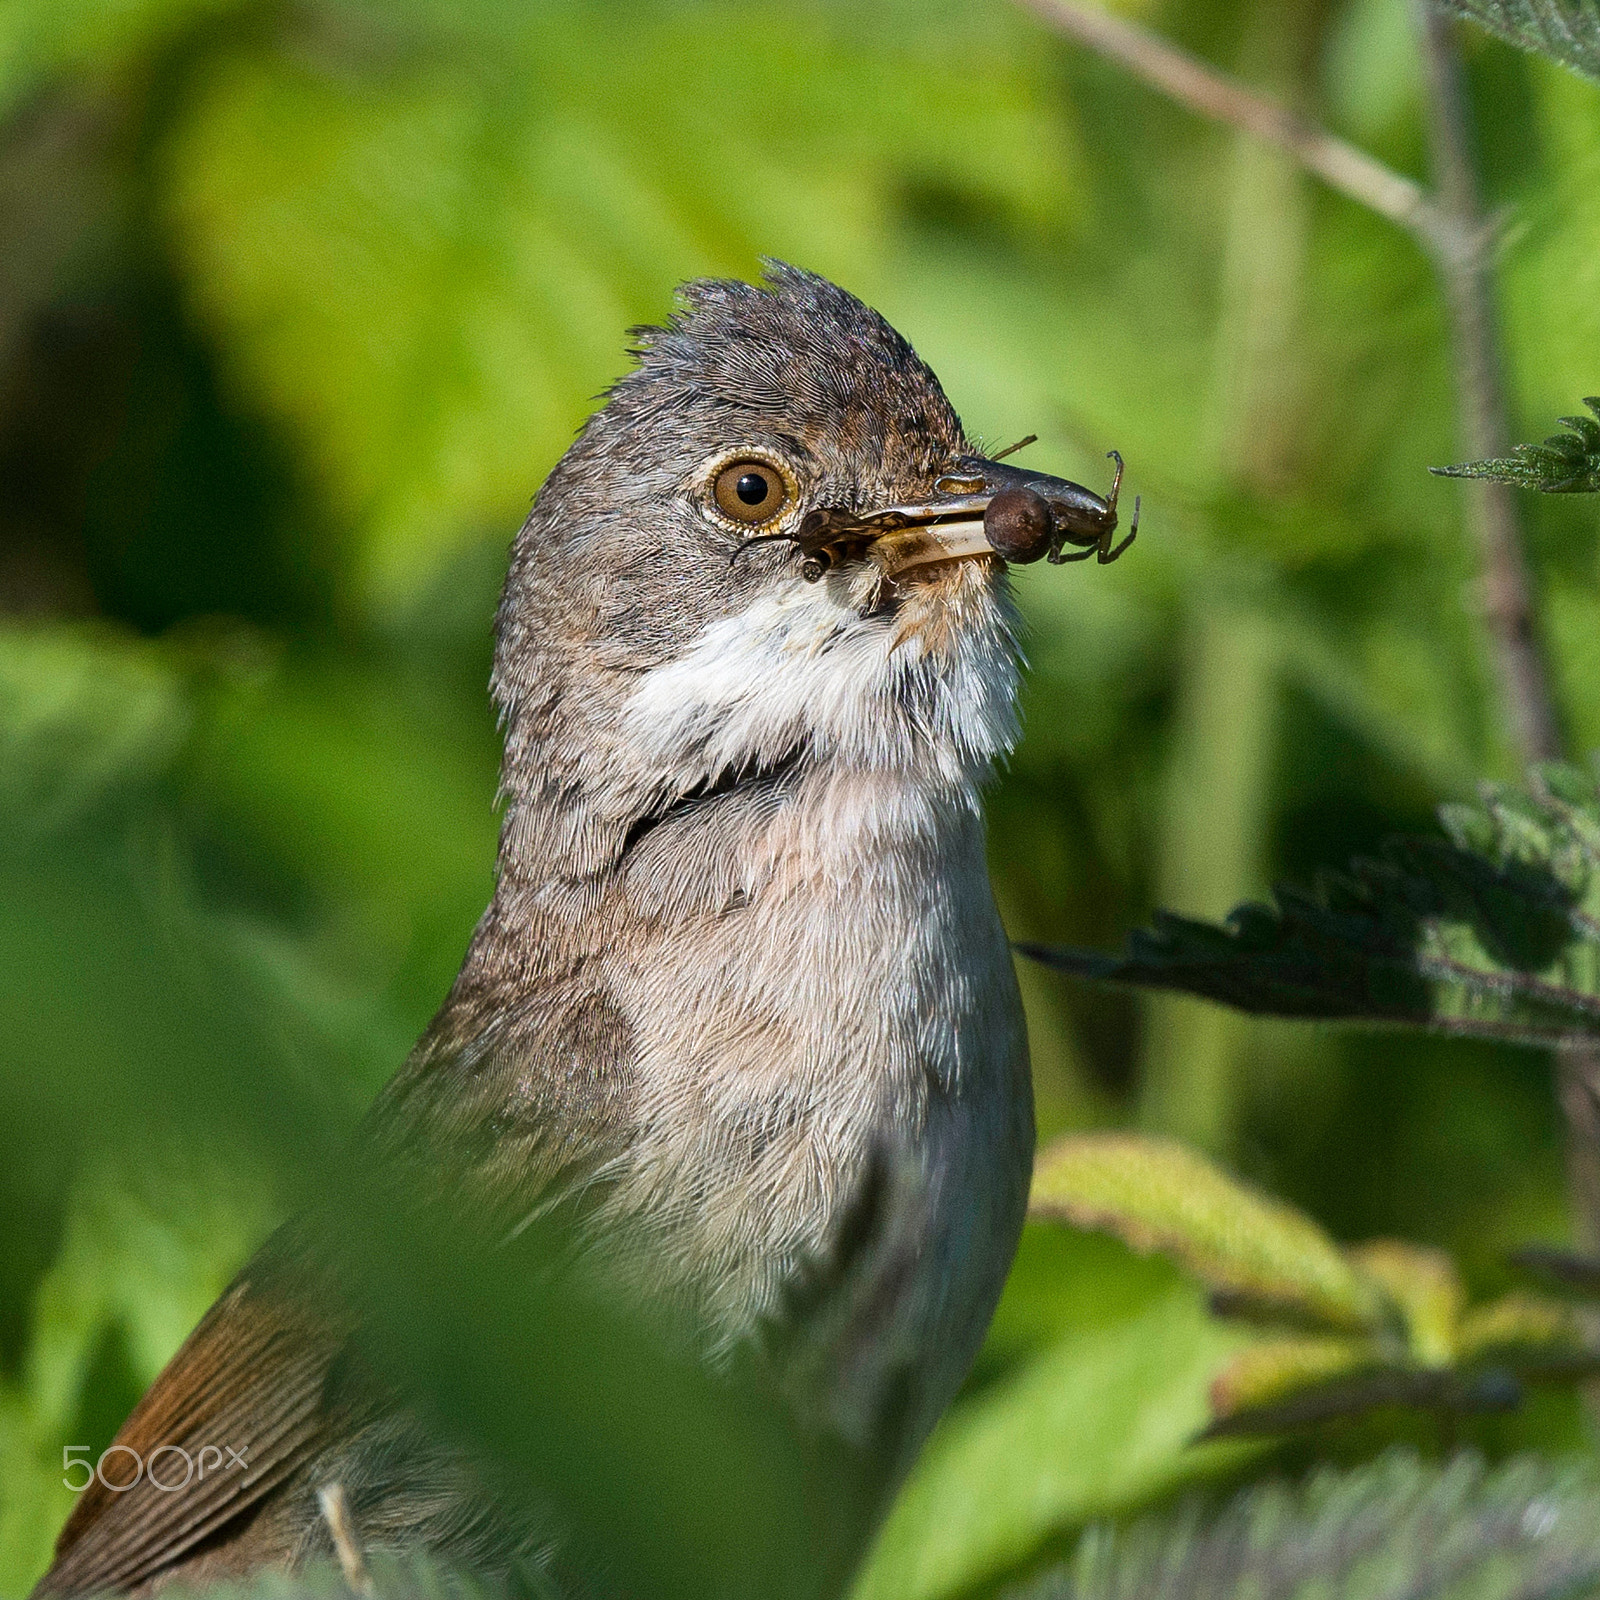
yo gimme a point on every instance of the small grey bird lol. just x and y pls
(755, 660)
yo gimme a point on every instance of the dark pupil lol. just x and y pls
(752, 488)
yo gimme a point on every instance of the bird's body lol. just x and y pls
(742, 951)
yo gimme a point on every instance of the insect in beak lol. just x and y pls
(980, 508)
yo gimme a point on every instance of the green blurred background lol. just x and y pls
(299, 300)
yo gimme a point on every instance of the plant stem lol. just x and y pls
(1451, 227)
(1203, 89)
(1578, 1090)
(1464, 260)
(1217, 782)
(1507, 599)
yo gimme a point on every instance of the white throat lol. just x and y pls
(925, 694)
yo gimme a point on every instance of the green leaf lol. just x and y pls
(1452, 1359)
(1424, 1288)
(1285, 1386)
(1566, 463)
(1493, 932)
(1392, 1529)
(1093, 1427)
(1378, 1325)
(1567, 31)
(1525, 1329)
(1268, 1373)
(149, 1249)
(1396, 1529)
(147, 1245)
(1158, 1195)
(1377, 1386)
(1064, 1281)
(82, 712)
(1556, 1268)
(366, 793)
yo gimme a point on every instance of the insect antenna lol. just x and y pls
(1011, 449)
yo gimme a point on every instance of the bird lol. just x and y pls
(741, 999)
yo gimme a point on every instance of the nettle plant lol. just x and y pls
(1343, 1331)
(1488, 930)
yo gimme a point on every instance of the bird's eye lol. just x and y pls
(750, 491)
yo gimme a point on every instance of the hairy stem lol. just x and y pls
(1507, 598)
(1464, 260)
(1450, 225)
(1203, 89)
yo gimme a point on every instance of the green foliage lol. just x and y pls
(1156, 1195)
(1567, 31)
(1566, 463)
(38, 40)
(300, 303)
(1349, 1331)
(81, 714)
(1100, 1421)
(422, 279)
(146, 1247)
(1492, 933)
(1399, 1529)
(712, 1487)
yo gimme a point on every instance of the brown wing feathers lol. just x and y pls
(249, 1383)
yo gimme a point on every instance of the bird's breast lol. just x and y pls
(852, 1014)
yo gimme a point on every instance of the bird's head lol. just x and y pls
(773, 545)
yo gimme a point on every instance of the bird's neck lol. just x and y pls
(797, 736)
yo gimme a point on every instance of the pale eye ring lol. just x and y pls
(751, 491)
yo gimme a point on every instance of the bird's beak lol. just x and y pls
(984, 508)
